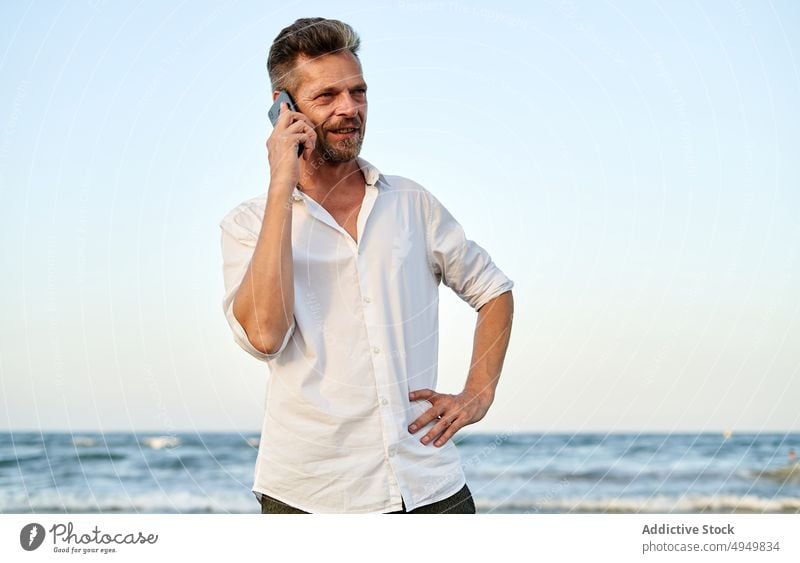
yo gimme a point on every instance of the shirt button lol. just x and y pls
(392, 451)
(367, 300)
(376, 350)
(384, 401)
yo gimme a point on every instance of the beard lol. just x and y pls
(342, 150)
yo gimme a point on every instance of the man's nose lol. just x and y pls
(348, 105)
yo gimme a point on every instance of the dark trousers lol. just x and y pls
(459, 503)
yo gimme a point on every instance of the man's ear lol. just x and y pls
(275, 94)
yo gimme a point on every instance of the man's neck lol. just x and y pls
(329, 180)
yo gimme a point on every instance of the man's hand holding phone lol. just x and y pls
(292, 137)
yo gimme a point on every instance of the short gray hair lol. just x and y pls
(312, 37)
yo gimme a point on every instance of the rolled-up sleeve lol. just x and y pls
(461, 264)
(239, 235)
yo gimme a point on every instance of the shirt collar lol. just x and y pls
(371, 174)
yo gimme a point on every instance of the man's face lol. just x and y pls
(332, 93)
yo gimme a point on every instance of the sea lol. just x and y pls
(212, 472)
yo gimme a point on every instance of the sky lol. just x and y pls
(632, 166)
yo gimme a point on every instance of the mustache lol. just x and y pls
(345, 125)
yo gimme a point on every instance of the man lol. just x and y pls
(332, 279)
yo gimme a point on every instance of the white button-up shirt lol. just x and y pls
(365, 332)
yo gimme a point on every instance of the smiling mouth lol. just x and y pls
(344, 131)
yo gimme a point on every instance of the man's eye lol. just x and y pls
(326, 94)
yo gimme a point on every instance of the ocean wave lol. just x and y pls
(184, 462)
(785, 474)
(20, 460)
(161, 442)
(180, 502)
(185, 502)
(99, 456)
(84, 442)
(603, 474)
(723, 504)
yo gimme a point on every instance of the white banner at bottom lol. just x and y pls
(117, 538)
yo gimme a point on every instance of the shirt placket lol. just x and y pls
(384, 385)
(379, 361)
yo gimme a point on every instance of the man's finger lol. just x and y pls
(454, 427)
(439, 428)
(421, 394)
(429, 415)
(284, 116)
(309, 144)
(288, 117)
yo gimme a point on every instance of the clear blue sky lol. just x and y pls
(632, 166)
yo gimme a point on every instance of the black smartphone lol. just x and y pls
(275, 112)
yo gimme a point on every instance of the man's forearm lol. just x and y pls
(492, 334)
(264, 303)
